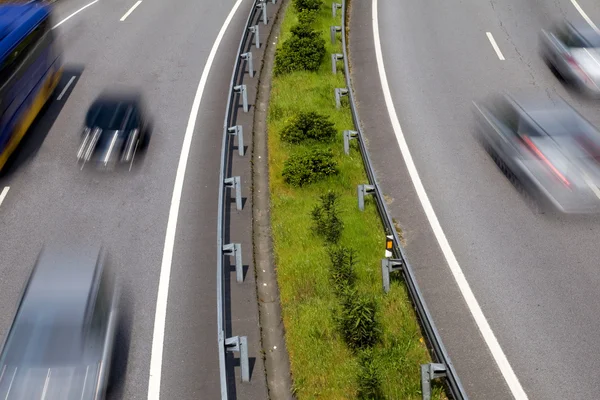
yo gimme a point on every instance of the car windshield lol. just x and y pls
(108, 116)
(559, 122)
(586, 37)
(593, 41)
(44, 341)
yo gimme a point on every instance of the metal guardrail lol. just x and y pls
(443, 367)
(236, 92)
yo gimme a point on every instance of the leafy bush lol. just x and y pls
(303, 51)
(326, 221)
(308, 126)
(358, 321)
(307, 17)
(369, 384)
(342, 272)
(309, 166)
(304, 30)
(307, 5)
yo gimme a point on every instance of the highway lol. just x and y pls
(533, 277)
(162, 48)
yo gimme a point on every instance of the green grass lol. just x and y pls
(322, 366)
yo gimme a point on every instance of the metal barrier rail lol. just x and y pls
(443, 368)
(235, 343)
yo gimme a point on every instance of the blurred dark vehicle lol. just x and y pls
(116, 127)
(552, 151)
(572, 50)
(61, 340)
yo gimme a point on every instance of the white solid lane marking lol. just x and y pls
(131, 10)
(62, 93)
(482, 323)
(3, 194)
(165, 269)
(75, 13)
(495, 45)
(584, 15)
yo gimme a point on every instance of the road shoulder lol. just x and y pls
(471, 357)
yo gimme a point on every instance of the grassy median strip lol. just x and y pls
(345, 338)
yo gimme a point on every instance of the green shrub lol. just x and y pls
(358, 321)
(307, 17)
(369, 384)
(326, 221)
(308, 126)
(307, 5)
(309, 166)
(304, 30)
(300, 53)
(342, 272)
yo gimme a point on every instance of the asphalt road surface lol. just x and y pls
(535, 277)
(162, 48)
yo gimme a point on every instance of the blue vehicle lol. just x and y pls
(30, 69)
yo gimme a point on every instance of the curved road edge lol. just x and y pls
(463, 340)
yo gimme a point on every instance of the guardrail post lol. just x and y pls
(333, 30)
(242, 89)
(334, 59)
(235, 183)
(254, 29)
(248, 57)
(262, 4)
(334, 8)
(339, 92)
(235, 249)
(238, 131)
(240, 344)
(430, 372)
(349, 135)
(388, 266)
(362, 191)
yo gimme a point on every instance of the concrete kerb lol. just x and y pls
(277, 365)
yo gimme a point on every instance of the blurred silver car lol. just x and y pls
(61, 341)
(573, 51)
(551, 150)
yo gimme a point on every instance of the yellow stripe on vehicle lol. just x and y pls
(30, 115)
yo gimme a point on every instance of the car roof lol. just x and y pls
(532, 102)
(110, 111)
(553, 115)
(16, 20)
(61, 281)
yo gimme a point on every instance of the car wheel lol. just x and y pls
(556, 72)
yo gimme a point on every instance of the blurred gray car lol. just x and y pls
(573, 51)
(61, 341)
(551, 150)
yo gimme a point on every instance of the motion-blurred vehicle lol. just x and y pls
(30, 69)
(552, 150)
(61, 341)
(572, 50)
(116, 126)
